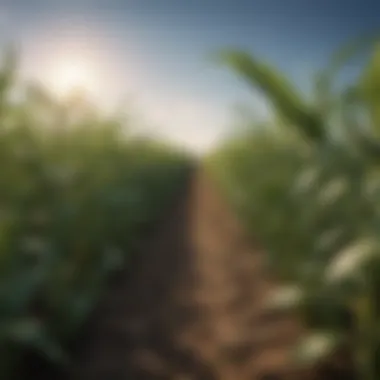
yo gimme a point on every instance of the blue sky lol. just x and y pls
(154, 52)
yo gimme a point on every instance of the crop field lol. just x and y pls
(78, 195)
(122, 257)
(307, 186)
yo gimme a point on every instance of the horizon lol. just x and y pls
(154, 55)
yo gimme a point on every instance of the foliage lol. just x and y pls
(77, 194)
(312, 198)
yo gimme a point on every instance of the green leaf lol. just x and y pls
(340, 58)
(350, 261)
(287, 102)
(7, 74)
(315, 347)
(285, 298)
(371, 89)
(31, 332)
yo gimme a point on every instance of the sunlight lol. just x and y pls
(71, 75)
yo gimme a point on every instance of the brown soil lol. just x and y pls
(192, 309)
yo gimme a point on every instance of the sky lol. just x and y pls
(153, 55)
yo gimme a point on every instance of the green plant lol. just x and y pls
(77, 194)
(311, 197)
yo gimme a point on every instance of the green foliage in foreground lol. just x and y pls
(309, 190)
(77, 194)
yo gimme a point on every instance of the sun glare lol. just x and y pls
(69, 76)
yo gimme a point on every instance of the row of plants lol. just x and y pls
(307, 184)
(77, 194)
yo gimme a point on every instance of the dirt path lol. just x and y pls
(192, 309)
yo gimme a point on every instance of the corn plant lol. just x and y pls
(312, 197)
(76, 196)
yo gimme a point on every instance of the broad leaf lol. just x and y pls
(32, 333)
(286, 100)
(353, 48)
(371, 89)
(350, 261)
(285, 298)
(316, 347)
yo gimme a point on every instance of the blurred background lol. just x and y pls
(106, 107)
(152, 55)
